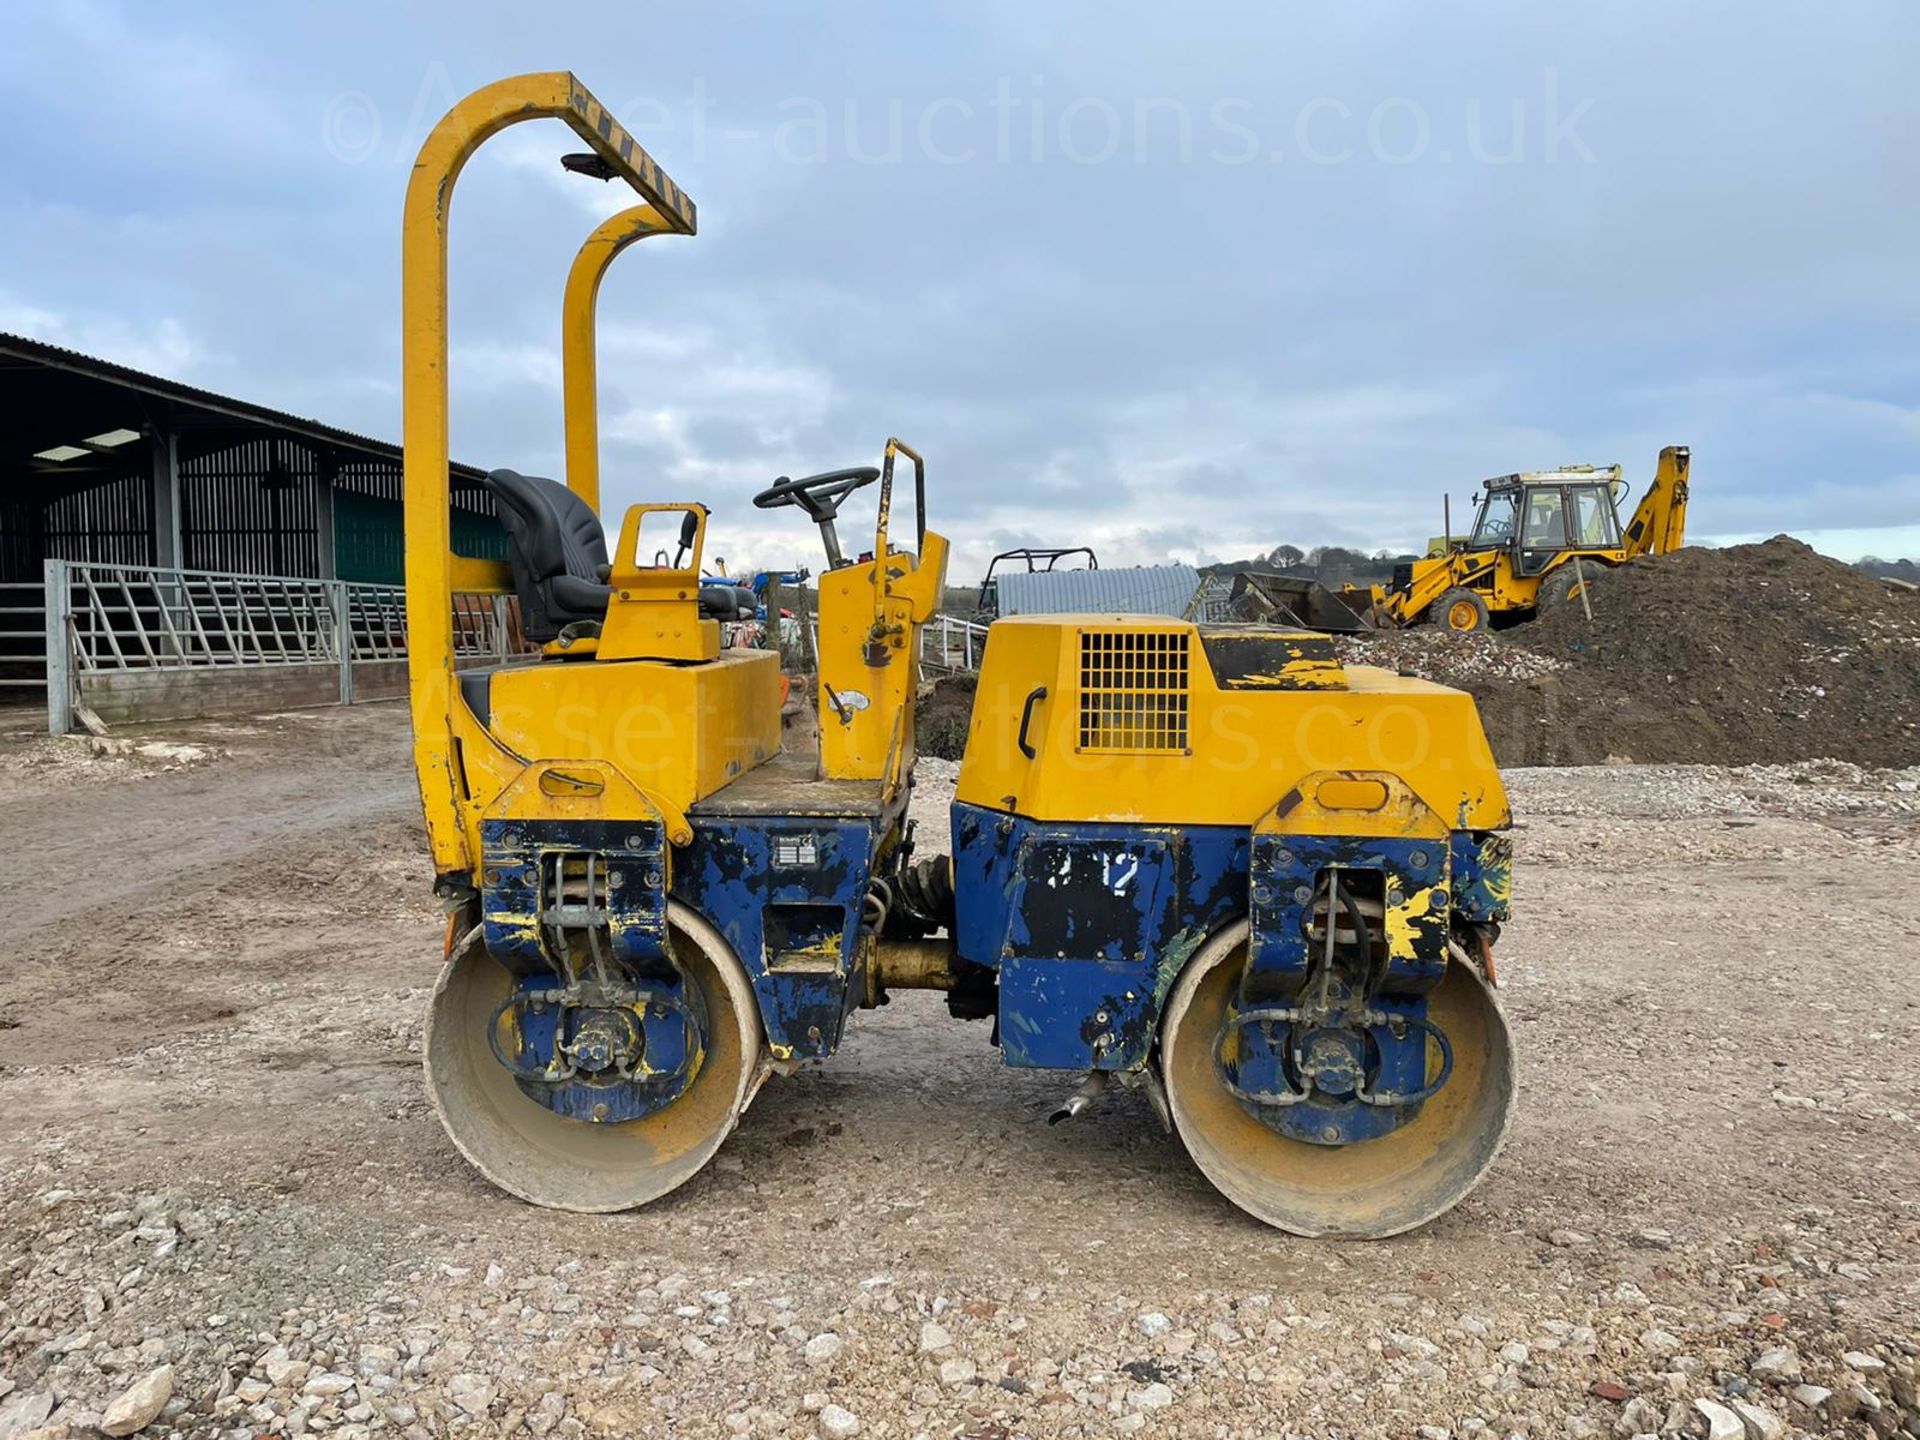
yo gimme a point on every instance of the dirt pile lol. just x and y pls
(941, 716)
(1757, 653)
(1753, 654)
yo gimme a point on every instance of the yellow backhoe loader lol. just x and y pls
(1537, 540)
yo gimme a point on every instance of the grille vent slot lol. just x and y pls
(1133, 692)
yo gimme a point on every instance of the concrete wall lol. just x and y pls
(131, 697)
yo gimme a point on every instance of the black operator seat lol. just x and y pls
(728, 602)
(557, 551)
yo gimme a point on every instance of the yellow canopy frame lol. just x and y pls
(430, 659)
(579, 339)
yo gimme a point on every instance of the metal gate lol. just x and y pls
(107, 620)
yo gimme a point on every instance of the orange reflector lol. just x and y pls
(1352, 795)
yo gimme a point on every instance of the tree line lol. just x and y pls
(1331, 565)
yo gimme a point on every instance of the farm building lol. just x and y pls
(186, 521)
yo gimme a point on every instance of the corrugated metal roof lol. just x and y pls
(1143, 590)
(60, 358)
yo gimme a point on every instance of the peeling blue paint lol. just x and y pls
(633, 857)
(1482, 875)
(739, 866)
(1088, 924)
(1286, 870)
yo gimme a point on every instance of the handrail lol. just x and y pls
(897, 446)
(423, 306)
(883, 577)
(579, 342)
(956, 643)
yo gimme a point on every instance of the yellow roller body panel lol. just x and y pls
(1162, 722)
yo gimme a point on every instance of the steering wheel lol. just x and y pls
(819, 495)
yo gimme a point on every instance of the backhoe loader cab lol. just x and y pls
(1212, 863)
(1540, 516)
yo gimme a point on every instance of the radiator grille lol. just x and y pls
(1133, 691)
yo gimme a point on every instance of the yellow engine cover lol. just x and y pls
(1157, 721)
(676, 732)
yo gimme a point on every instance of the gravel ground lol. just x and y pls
(222, 1190)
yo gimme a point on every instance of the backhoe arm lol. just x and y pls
(1659, 525)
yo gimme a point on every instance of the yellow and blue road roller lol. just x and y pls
(1213, 863)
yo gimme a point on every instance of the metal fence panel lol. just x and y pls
(137, 617)
(23, 635)
(107, 619)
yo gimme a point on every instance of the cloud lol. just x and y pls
(1574, 241)
(164, 348)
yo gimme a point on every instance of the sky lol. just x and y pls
(1180, 282)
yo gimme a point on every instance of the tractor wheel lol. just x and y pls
(1562, 586)
(566, 1164)
(1366, 1190)
(1461, 609)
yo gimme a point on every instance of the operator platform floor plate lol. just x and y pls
(788, 784)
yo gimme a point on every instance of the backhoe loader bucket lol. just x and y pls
(554, 1160)
(1287, 600)
(1366, 1190)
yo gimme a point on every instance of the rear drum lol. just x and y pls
(1370, 1189)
